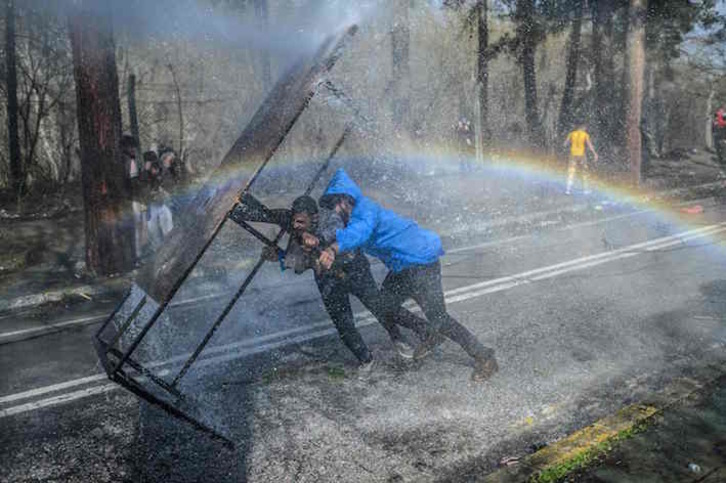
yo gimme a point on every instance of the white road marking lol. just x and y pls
(54, 401)
(26, 333)
(603, 255)
(55, 387)
(44, 329)
(459, 294)
(272, 341)
(519, 280)
(52, 327)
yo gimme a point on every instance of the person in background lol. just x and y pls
(466, 145)
(411, 255)
(172, 166)
(159, 216)
(129, 146)
(577, 140)
(135, 176)
(174, 176)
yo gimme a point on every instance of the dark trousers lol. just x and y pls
(423, 284)
(355, 278)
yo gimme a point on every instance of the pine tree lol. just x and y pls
(109, 232)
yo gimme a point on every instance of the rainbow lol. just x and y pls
(612, 188)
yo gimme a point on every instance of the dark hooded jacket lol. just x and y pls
(397, 241)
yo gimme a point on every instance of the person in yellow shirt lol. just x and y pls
(578, 139)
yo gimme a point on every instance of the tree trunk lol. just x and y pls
(635, 68)
(566, 117)
(618, 115)
(263, 17)
(708, 117)
(17, 177)
(650, 115)
(482, 76)
(180, 112)
(528, 38)
(597, 69)
(400, 40)
(133, 116)
(65, 133)
(108, 223)
(604, 72)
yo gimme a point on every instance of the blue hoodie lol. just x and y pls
(397, 241)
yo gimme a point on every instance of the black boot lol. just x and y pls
(424, 348)
(484, 367)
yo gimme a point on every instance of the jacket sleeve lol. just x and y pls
(358, 231)
(250, 209)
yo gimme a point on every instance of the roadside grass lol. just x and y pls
(335, 373)
(588, 457)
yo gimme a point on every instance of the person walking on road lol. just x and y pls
(411, 254)
(577, 140)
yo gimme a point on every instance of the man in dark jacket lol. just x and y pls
(412, 256)
(350, 275)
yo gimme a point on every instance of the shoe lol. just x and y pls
(424, 348)
(404, 349)
(366, 369)
(484, 367)
(568, 192)
(587, 192)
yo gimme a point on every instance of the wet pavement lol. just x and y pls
(687, 443)
(586, 315)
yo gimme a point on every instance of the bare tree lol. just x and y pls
(17, 177)
(43, 82)
(707, 118)
(635, 69)
(400, 44)
(573, 57)
(528, 35)
(133, 115)
(67, 139)
(180, 110)
(109, 235)
(602, 54)
(482, 71)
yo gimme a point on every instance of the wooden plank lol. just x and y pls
(248, 156)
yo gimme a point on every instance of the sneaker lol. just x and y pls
(425, 347)
(484, 367)
(366, 369)
(404, 349)
(568, 192)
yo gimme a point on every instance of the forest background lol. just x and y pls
(645, 76)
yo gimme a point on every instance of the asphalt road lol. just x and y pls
(584, 318)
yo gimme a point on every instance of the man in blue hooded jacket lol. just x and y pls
(351, 274)
(412, 254)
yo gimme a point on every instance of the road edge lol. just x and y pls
(583, 448)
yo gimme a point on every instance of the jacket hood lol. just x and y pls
(341, 184)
